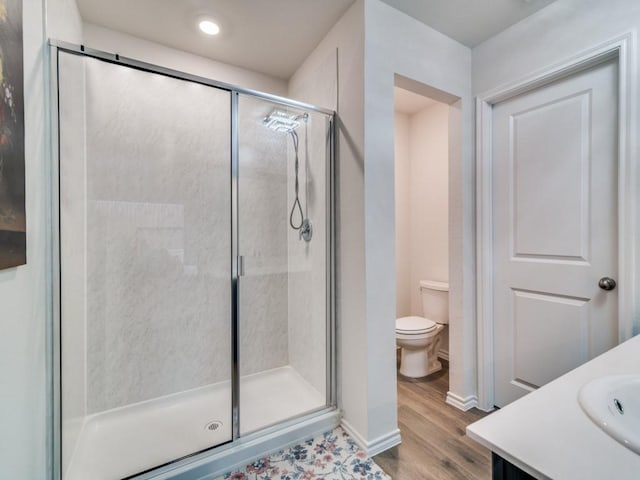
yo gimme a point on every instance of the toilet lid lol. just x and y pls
(414, 325)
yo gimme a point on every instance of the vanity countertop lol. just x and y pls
(547, 434)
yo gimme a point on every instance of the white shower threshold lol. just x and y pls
(122, 442)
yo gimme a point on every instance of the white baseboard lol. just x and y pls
(461, 403)
(375, 446)
(353, 433)
(384, 442)
(443, 355)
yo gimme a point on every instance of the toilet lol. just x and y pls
(419, 337)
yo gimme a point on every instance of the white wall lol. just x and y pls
(402, 179)
(429, 199)
(557, 32)
(394, 43)
(422, 199)
(23, 290)
(107, 40)
(315, 82)
(398, 44)
(64, 21)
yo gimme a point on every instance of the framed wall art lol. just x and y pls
(13, 229)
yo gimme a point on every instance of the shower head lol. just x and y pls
(280, 121)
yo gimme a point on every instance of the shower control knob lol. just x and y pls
(306, 230)
(607, 283)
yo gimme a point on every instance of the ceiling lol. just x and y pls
(267, 36)
(408, 102)
(470, 22)
(275, 36)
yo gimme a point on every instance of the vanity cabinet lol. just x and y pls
(503, 470)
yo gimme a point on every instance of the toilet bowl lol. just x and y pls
(419, 337)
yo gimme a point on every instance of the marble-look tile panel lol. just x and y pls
(159, 325)
(307, 292)
(263, 323)
(158, 241)
(157, 195)
(263, 225)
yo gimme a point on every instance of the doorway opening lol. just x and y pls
(427, 157)
(421, 139)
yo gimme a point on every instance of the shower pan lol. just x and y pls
(194, 306)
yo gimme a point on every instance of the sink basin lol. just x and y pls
(613, 404)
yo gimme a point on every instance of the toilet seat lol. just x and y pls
(414, 325)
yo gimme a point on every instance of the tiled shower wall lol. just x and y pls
(155, 238)
(157, 187)
(263, 225)
(307, 261)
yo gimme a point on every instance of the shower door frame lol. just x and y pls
(197, 460)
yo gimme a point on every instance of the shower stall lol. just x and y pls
(193, 231)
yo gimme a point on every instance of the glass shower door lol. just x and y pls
(282, 244)
(145, 244)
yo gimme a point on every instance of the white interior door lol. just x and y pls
(555, 217)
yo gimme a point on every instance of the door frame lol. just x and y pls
(622, 49)
(240, 449)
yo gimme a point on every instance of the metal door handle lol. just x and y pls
(607, 283)
(240, 265)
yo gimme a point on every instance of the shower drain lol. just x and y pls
(213, 426)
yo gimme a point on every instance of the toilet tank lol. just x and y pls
(435, 300)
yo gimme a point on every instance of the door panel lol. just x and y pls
(555, 229)
(560, 163)
(538, 356)
(282, 287)
(145, 290)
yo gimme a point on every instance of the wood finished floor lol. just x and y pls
(434, 445)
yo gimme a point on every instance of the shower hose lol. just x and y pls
(296, 204)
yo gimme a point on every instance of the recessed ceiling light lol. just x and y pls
(209, 27)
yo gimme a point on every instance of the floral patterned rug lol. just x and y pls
(331, 456)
